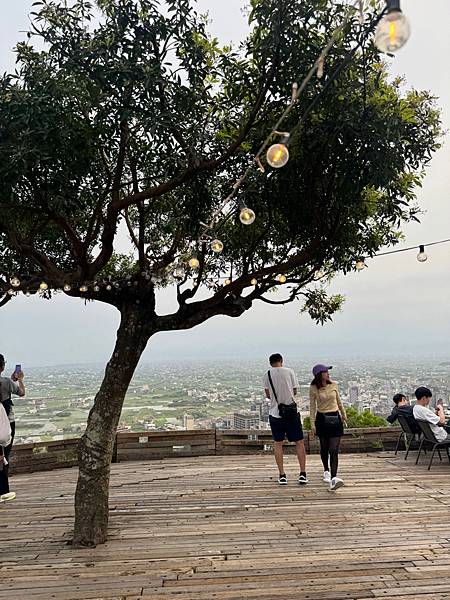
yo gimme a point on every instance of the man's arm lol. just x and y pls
(392, 418)
(19, 388)
(294, 391)
(267, 393)
(441, 415)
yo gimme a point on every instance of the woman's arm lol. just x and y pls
(340, 405)
(312, 406)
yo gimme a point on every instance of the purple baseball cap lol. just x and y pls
(320, 369)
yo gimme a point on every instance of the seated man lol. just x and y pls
(436, 419)
(404, 409)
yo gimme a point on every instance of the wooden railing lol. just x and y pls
(45, 456)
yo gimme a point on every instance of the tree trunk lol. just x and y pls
(96, 445)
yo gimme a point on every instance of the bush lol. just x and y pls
(365, 419)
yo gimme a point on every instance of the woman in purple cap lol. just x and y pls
(327, 420)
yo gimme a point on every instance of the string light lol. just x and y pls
(422, 256)
(216, 246)
(282, 278)
(27, 294)
(246, 215)
(83, 288)
(15, 282)
(278, 154)
(318, 274)
(108, 287)
(194, 263)
(43, 286)
(67, 287)
(96, 288)
(360, 264)
(227, 282)
(254, 281)
(393, 30)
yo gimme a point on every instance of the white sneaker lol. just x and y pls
(6, 497)
(327, 476)
(335, 484)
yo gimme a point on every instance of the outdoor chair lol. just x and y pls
(408, 433)
(428, 436)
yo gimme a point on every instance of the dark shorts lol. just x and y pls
(286, 428)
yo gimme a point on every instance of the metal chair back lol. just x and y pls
(427, 432)
(405, 425)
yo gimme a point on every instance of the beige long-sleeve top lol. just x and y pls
(326, 399)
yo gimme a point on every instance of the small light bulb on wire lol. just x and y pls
(393, 30)
(319, 274)
(83, 288)
(43, 286)
(194, 263)
(67, 287)
(246, 215)
(27, 293)
(15, 282)
(422, 256)
(96, 288)
(278, 154)
(227, 282)
(109, 287)
(254, 281)
(360, 264)
(216, 246)
(282, 278)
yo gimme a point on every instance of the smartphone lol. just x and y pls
(18, 369)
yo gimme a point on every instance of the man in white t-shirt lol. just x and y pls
(280, 387)
(435, 419)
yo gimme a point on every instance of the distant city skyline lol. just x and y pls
(397, 307)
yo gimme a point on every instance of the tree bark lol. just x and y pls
(96, 445)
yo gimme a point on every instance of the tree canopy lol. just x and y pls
(133, 114)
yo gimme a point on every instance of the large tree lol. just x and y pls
(129, 115)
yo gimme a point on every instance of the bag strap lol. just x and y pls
(272, 386)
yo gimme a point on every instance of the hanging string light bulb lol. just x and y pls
(15, 282)
(360, 264)
(319, 274)
(67, 287)
(28, 293)
(216, 246)
(83, 288)
(227, 282)
(278, 154)
(96, 288)
(422, 256)
(194, 263)
(246, 215)
(43, 286)
(393, 30)
(281, 278)
(108, 287)
(254, 281)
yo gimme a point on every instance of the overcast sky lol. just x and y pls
(396, 307)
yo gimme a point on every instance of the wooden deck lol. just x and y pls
(219, 528)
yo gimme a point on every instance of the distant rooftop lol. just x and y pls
(219, 528)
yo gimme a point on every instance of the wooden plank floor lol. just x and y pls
(220, 528)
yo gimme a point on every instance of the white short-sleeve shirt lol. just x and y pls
(284, 381)
(422, 413)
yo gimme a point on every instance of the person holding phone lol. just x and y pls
(328, 418)
(9, 386)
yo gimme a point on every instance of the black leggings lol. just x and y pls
(4, 482)
(329, 447)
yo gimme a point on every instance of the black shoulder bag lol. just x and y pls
(287, 411)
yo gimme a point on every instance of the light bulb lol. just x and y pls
(277, 155)
(217, 246)
(247, 215)
(360, 264)
(318, 275)
(67, 287)
(227, 282)
(194, 263)
(422, 256)
(392, 32)
(83, 288)
(254, 281)
(96, 288)
(282, 278)
(178, 273)
(15, 282)
(109, 287)
(28, 294)
(43, 286)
